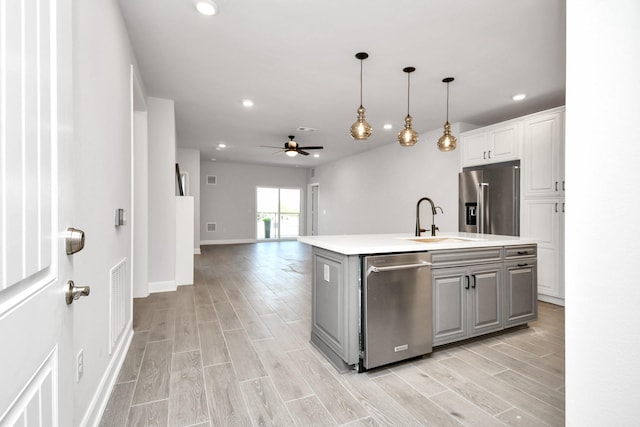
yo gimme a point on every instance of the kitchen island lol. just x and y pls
(477, 284)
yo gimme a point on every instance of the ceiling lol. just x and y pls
(296, 60)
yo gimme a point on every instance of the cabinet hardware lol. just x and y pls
(563, 185)
(556, 185)
(484, 155)
(556, 208)
(562, 207)
(468, 280)
(473, 276)
(522, 265)
(523, 252)
(489, 153)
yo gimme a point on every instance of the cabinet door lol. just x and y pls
(521, 292)
(474, 148)
(544, 156)
(327, 308)
(486, 299)
(543, 220)
(449, 304)
(503, 143)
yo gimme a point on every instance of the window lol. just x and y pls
(277, 213)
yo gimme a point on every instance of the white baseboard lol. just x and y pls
(227, 242)
(167, 286)
(101, 397)
(552, 300)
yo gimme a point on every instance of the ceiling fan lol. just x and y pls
(292, 149)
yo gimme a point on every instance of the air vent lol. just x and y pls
(211, 227)
(212, 179)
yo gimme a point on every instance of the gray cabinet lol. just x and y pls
(467, 301)
(334, 309)
(521, 291)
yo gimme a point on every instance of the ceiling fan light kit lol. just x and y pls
(361, 130)
(447, 142)
(292, 149)
(407, 136)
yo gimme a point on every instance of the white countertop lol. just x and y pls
(359, 244)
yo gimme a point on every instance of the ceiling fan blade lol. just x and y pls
(271, 146)
(304, 153)
(315, 147)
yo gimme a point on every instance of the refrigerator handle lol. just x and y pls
(483, 208)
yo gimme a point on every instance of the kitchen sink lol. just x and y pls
(444, 239)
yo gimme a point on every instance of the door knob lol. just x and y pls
(74, 292)
(74, 240)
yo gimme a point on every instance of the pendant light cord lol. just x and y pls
(408, 91)
(361, 82)
(447, 102)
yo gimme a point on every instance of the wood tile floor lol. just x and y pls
(234, 350)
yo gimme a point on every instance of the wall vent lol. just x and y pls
(211, 227)
(212, 179)
(118, 297)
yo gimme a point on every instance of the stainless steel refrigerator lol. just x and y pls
(489, 199)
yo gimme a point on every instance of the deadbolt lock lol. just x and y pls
(74, 240)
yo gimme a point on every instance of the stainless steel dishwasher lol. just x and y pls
(396, 308)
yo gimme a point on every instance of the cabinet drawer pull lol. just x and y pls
(523, 265)
(489, 153)
(473, 276)
(556, 185)
(556, 208)
(468, 280)
(562, 185)
(523, 252)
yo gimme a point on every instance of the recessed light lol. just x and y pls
(247, 103)
(221, 145)
(206, 7)
(305, 129)
(316, 155)
(388, 126)
(213, 159)
(519, 96)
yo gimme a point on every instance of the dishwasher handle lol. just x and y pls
(374, 269)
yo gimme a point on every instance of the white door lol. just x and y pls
(36, 364)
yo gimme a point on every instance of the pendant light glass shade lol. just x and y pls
(361, 130)
(407, 136)
(447, 142)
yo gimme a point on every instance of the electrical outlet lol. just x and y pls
(79, 365)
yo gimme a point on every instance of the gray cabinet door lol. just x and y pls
(485, 309)
(449, 304)
(521, 291)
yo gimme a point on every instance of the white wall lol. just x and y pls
(102, 128)
(189, 160)
(377, 191)
(162, 204)
(602, 225)
(231, 203)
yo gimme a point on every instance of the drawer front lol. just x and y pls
(520, 251)
(455, 257)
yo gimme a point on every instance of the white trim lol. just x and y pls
(167, 286)
(101, 398)
(550, 299)
(226, 242)
(196, 251)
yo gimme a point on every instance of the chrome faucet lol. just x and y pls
(433, 216)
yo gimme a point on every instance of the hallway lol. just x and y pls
(234, 350)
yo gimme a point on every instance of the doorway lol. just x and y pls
(277, 213)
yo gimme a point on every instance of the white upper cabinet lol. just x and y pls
(544, 155)
(491, 144)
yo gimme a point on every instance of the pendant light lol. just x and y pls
(447, 142)
(408, 137)
(361, 130)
